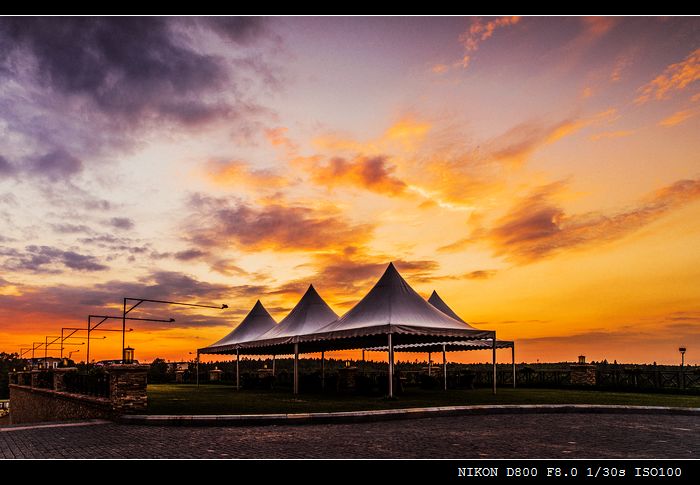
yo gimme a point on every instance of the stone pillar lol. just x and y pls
(347, 379)
(59, 375)
(127, 388)
(34, 382)
(179, 376)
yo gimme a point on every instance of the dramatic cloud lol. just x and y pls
(73, 303)
(370, 173)
(224, 223)
(537, 227)
(674, 78)
(128, 67)
(121, 223)
(75, 86)
(47, 259)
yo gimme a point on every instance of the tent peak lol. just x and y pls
(440, 304)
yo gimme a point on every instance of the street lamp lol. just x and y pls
(104, 318)
(165, 302)
(77, 329)
(56, 337)
(682, 351)
(197, 366)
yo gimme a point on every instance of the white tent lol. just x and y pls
(308, 316)
(391, 313)
(257, 322)
(444, 347)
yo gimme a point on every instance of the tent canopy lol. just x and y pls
(310, 314)
(257, 322)
(440, 304)
(390, 307)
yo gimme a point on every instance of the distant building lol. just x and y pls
(45, 363)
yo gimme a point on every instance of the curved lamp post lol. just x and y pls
(164, 302)
(104, 318)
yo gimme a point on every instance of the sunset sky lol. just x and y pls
(542, 174)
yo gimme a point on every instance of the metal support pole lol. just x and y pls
(512, 352)
(493, 343)
(444, 364)
(197, 369)
(430, 363)
(296, 368)
(323, 370)
(87, 357)
(46, 350)
(123, 332)
(363, 355)
(273, 366)
(61, 344)
(391, 368)
(238, 371)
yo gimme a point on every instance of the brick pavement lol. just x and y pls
(497, 436)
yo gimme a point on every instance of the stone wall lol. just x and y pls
(30, 404)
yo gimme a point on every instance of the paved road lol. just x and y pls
(501, 436)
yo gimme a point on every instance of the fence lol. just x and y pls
(606, 378)
(87, 384)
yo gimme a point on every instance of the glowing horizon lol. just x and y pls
(542, 174)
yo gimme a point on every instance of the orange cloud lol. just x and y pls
(371, 173)
(677, 118)
(598, 26)
(479, 31)
(236, 172)
(674, 78)
(537, 227)
(611, 134)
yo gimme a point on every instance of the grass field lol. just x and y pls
(220, 399)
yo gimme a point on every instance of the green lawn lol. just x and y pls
(220, 399)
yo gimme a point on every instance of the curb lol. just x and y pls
(391, 414)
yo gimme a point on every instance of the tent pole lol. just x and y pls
(296, 368)
(430, 362)
(512, 353)
(493, 346)
(444, 364)
(273, 365)
(323, 370)
(197, 369)
(391, 368)
(238, 373)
